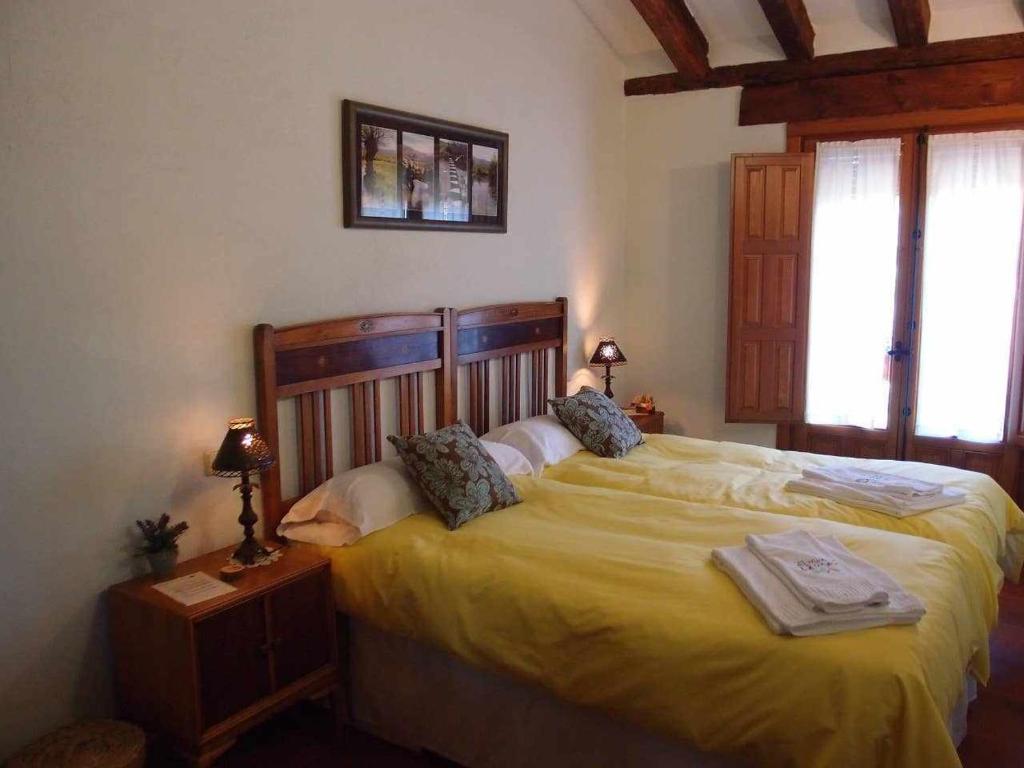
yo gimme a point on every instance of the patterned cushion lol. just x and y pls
(598, 423)
(456, 473)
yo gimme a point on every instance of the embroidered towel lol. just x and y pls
(823, 577)
(785, 615)
(894, 485)
(894, 506)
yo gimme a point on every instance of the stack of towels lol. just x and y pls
(807, 585)
(892, 494)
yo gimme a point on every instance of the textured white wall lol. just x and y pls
(678, 151)
(171, 177)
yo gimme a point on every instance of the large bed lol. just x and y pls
(587, 625)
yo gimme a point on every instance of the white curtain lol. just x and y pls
(975, 202)
(853, 282)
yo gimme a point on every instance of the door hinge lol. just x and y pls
(916, 234)
(922, 138)
(906, 411)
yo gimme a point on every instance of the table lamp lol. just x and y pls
(607, 354)
(244, 451)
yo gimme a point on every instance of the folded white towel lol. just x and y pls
(894, 485)
(880, 502)
(785, 615)
(824, 575)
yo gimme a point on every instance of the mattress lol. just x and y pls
(987, 529)
(608, 600)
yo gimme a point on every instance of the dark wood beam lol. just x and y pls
(910, 20)
(953, 86)
(994, 48)
(792, 27)
(679, 34)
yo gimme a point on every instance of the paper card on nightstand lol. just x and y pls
(194, 588)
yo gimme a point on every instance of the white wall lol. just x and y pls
(677, 156)
(171, 177)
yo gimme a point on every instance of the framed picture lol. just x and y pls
(405, 171)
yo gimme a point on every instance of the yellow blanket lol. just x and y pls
(988, 529)
(609, 599)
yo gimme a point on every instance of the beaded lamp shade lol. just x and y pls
(607, 353)
(243, 450)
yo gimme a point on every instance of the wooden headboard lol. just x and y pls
(307, 362)
(510, 332)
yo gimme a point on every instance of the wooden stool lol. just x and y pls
(89, 744)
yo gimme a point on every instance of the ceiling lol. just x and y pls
(738, 32)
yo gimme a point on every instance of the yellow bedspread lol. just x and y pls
(609, 599)
(988, 528)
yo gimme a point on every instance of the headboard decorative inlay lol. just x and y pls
(307, 362)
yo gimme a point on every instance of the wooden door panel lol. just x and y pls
(299, 618)
(231, 648)
(769, 269)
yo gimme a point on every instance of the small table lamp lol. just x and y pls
(244, 451)
(607, 354)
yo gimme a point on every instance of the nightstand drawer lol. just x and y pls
(231, 654)
(301, 637)
(649, 423)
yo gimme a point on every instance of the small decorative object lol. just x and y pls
(643, 403)
(405, 171)
(244, 451)
(160, 544)
(230, 572)
(607, 354)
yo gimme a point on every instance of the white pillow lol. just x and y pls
(509, 458)
(543, 440)
(354, 504)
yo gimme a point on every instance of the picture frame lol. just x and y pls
(407, 171)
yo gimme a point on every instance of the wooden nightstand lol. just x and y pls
(200, 675)
(650, 423)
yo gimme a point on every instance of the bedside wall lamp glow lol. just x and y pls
(607, 354)
(244, 451)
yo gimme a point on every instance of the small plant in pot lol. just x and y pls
(160, 544)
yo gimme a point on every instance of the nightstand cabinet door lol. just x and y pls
(300, 616)
(231, 653)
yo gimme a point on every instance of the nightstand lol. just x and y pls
(650, 423)
(200, 675)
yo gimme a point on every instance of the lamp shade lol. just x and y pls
(607, 353)
(243, 450)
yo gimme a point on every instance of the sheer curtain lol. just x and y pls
(853, 282)
(972, 245)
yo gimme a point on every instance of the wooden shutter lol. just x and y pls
(769, 273)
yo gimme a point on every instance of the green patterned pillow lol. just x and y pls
(598, 423)
(456, 473)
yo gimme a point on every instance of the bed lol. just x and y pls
(987, 530)
(586, 625)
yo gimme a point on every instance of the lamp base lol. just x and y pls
(249, 551)
(608, 382)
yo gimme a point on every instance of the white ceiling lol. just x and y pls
(738, 32)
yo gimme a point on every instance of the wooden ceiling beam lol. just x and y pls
(910, 20)
(792, 27)
(952, 86)
(993, 48)
(679, 34)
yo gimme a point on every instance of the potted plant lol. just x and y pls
(160, 544)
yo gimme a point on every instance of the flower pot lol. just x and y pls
(162, 563)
